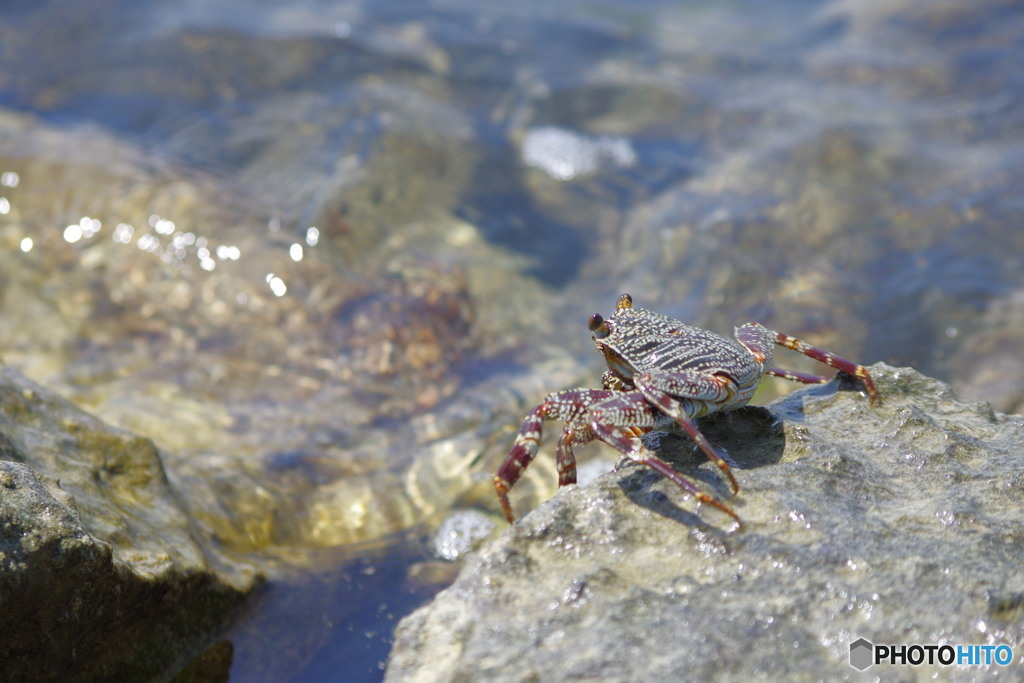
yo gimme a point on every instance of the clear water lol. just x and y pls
(345, 244)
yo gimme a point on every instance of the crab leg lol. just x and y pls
(632, 409)
(795, 376)
(570, 406)
(838, 362)
(700, 393)
(565, 459)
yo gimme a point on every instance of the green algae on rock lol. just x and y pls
(100, 574)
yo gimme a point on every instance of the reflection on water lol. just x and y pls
(326, 255)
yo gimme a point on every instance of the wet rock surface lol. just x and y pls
(327, 256)
(100, 575)
(897, 522)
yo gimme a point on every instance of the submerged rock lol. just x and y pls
(898, 523)
(100, 575)
(291, 374)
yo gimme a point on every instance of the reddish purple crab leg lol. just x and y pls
(660, 371)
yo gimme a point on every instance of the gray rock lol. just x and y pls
(100, 576)
(898, 523)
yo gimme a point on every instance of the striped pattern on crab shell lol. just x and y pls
(658, 343)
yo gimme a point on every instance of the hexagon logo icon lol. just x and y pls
(861, 654)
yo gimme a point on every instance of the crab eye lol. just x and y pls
(625, 301)
(598, 326)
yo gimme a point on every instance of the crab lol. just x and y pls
(660, 371)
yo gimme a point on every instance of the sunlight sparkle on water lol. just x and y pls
(90, 226)
(123, 233)
(9, 179)
(277, 285)
(149, 242)
(228, 253)
(181, 246)
(5, 206)
(26, 244)
(295, 251)
(161, 225)
(312, 236)
(203, 254)
(84, 229)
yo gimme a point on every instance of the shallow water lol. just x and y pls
(327, 254)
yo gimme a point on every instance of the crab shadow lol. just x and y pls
(746, 438)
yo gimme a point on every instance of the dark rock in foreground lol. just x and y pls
(899, 523)
(100, 577)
